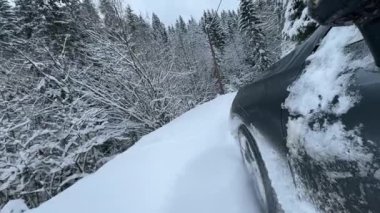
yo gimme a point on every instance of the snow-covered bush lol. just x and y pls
(14, 206)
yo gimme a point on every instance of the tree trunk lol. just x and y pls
(216, 69)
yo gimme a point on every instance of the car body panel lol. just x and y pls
(260, 104)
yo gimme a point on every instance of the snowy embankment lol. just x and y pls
(191, 165)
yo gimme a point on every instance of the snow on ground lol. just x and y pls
(191, 165)
(289, 197)
(14, 206)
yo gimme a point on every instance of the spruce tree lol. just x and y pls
(62, 27)
(89, 16)
(249, 27)
(181, 25)
(108, 10)
(212, 27)
(159, 31)
(7, 30)
(7, 21)
(30, 18)
(51, 23)
(216, 38)
(296, 13)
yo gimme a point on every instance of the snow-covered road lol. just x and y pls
(191, 165)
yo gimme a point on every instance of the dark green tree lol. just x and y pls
(216, 38)
(110, 14)
(159, 30)
(30, 18)
(252, 34)
(181, 25)
(296, 11)
(132, 20)
(89, 16)
(52, 23)
(212, 27)
(62, 26)
(7, 21)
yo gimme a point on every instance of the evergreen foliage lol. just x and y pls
(159, 30)
(298, 23)
(250, 27)
(212, 27)
(7, 21)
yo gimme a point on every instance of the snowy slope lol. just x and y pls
(191, 165)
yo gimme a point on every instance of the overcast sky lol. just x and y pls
(169, 10)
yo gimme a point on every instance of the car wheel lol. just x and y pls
(257, 170)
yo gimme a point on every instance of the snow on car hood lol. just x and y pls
(323, 89)
(322, 150)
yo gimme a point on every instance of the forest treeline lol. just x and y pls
(80, 84)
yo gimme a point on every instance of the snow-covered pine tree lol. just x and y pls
(131, 19)
(249, 23)
(181, 25)
(87, 22)
(110, 16)
(51, 23)
(144, 30)
(212, 26)
(298, 24)
(180, 47)
(235, 69)
(30, 20)
(201, 63)
(217, 40)
(89, 15)
(62, 26)
(7, 21)
(230, 23)
(159, 30)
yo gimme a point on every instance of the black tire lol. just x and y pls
(271, 205)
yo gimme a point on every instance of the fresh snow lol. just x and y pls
(290, 198)
(193, 164)
(14, 206)
(324, 90)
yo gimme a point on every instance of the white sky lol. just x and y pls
(169, 10)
